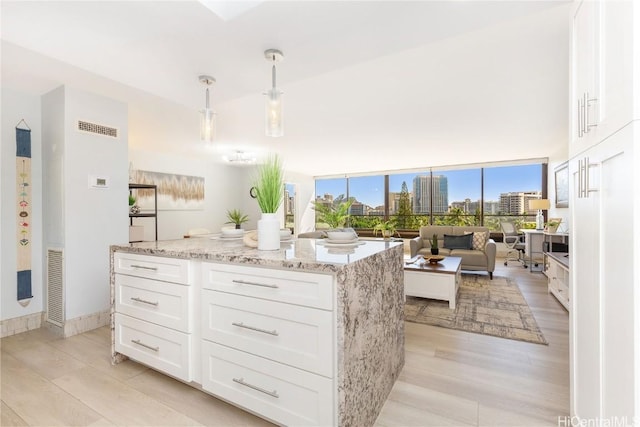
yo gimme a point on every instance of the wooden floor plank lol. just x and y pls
(451, 378)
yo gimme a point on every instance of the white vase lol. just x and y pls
(268, 232)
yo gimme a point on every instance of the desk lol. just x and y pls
(533, 246)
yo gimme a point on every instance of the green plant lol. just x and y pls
(434, 241)
(334, 215)
(269, 184)
(132, 200)
(236, 217)
(386, 228)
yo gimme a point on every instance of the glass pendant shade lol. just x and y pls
(207, 125)
(207, 115)
(273, 107)
(273, 115)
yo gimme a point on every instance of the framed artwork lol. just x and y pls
(562, 185)
(175, 192)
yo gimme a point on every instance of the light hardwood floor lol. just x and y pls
(450, 378)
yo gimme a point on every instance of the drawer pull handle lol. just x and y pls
(253, 328)
(155, 304)
(264, 285)
(241, 381)
(144, 267)
(145, 345)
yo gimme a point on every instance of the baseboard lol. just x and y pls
(21, 324)
(71, 327)
(86, 323)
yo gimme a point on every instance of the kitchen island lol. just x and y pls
(305, 335)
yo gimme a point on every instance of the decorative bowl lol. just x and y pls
(341, 234)
(434, 259)
(232, 232)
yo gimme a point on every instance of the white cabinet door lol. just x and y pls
(585, 308)
(585, 60)
(602, 307)
(617, 235)
(617, 55)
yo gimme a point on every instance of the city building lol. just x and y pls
(426, 190)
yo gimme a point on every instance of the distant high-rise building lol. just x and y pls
(517, 203)
(288, 203)
(426, 189)
(357, 208)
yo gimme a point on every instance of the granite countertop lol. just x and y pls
(304, 254)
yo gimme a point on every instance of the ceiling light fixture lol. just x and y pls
(207, 116)
(274, 97)
(241, 158)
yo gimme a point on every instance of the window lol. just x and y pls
(507, 191)
(457, 196)
(454, 196)
(367, 196)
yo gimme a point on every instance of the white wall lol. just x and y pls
(86, 220)
(17, 105)
(152, 121)
(555, 160)
(223, 191)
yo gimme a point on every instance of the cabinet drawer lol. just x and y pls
(309, 289)
(161, 348)
(152, 267)
(281, 393)
(297, 336)
(162, 303)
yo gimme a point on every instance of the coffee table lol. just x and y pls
(437, 281)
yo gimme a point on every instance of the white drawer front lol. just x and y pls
(152, 267)
(281, 393)
(309, 289)
(297, 336)
(162, 303)
(161, 348)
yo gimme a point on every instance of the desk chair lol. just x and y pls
(514, 242)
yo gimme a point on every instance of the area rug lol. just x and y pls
(491, 307)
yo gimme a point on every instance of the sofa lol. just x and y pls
(480, 257)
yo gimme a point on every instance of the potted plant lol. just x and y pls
(269, 192)
(552, 225)
(434, 245)
(236, 217)
(386, 229)
(333, 215)
(133, 208)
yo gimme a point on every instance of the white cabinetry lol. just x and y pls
(603, 186)
(153, 315)
(602, 75)
(558, 279)
(268, 341)
(605, 364)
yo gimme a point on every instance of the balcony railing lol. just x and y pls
(408, 225)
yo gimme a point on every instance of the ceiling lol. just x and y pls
(369, 85)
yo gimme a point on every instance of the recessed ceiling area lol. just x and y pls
(369, 85)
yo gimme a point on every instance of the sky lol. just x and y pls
(462, 184)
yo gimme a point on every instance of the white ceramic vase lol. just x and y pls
(268, 232)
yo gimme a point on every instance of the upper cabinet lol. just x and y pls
(602, 71)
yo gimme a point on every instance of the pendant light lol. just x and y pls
(273, 114)
(207, 116)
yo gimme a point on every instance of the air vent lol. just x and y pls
(97, 129)
(55, 300)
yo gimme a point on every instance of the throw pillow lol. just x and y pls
(458, 242)
(479, 240)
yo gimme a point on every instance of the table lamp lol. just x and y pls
(539, 204)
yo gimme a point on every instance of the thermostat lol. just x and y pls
(98, 181)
